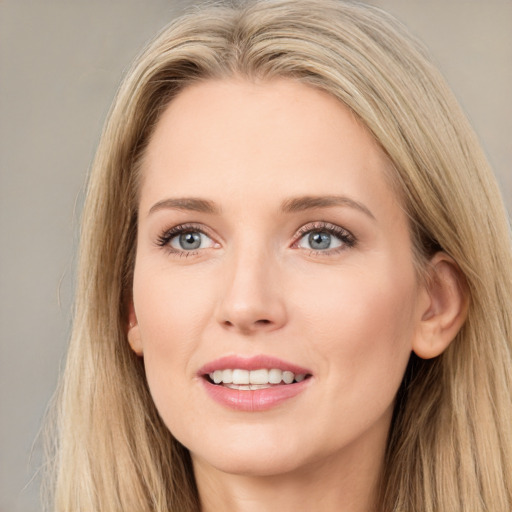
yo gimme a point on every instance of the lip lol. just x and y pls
(252, 400)
(251, 363)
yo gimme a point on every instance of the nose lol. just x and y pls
(252, 301)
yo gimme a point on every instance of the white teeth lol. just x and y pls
(275, 376)
(288, 377)
(240, 376)
(258, 377)
(247, 387)
(227, 376)
(254, 379)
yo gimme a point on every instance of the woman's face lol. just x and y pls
(271, 249)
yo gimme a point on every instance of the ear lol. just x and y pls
(133, 333)
(444, 309)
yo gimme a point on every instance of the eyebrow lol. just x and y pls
(186, 203)
(296, 204)
(311, 202)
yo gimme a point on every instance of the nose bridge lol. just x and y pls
(251, 297)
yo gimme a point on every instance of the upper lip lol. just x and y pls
(251, 363)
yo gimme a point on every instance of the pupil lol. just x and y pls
(190, 241)
(320, 240)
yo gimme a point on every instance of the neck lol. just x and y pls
(347, 483)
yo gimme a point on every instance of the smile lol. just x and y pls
(254, 379)
(253, 384)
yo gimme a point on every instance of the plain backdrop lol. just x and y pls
(60, 65)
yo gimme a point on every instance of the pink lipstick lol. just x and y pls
(253, 384)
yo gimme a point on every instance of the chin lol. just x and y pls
(268, 465)
(249, 457)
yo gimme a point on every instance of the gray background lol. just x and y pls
(60, 64)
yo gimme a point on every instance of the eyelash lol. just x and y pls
(165, 238)
(348, 240)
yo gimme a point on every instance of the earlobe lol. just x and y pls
(445, 308)
(133, 332)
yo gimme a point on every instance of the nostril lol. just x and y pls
(264, 322)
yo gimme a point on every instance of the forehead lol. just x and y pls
(235, 138)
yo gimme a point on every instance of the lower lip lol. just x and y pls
(254, 400)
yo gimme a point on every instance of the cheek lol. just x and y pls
(171, 313)
(363, 325)
(356, 301)
(171, 306)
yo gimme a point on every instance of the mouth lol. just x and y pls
(252, 384)
(249, 380)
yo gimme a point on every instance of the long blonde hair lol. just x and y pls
(450, 443)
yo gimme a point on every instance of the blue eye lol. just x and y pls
(324, 237)
(319, 241)
(185, 239)
(190, 241)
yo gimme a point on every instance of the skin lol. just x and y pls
(350, 314)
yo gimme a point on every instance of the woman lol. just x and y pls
(294, 285)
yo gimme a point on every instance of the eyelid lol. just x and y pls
(344, 235)
(163, 239)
